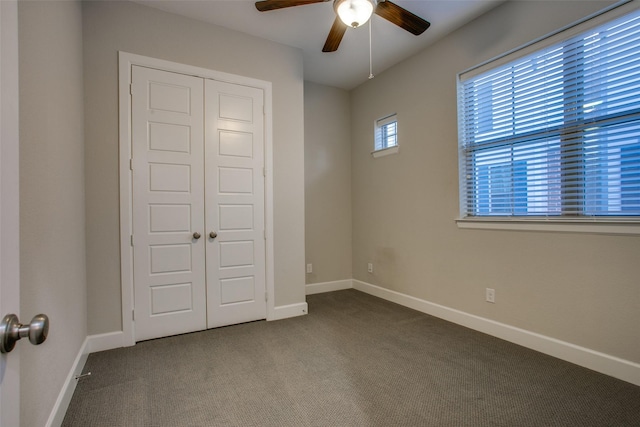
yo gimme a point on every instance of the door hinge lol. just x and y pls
(264, 233)
(266, 296)
(130, 164)
(133, 315)
(264, 172)
(131, 89)
(132, 240)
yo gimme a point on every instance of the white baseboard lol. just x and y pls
(291, 310)
(318, 288)
(108, 341)
(594, 360)
(64, 397)
(91, 344)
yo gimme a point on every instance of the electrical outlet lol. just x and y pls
(309, 268)
(490, 295)
(370, 267)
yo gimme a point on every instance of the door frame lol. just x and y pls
(125, 62)
(10, 206)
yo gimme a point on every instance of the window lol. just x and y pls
(555, 133)
(386, 135)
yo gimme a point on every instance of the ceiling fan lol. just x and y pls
(354, 13)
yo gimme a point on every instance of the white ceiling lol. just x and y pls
(306, 27)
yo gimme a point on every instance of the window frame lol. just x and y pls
(585, 224)
(380, 125)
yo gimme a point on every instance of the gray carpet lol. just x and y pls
(355, 360)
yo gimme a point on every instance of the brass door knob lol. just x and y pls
(196, 235)
(213, 234)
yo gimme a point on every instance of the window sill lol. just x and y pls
(385, 151)
(612, 226)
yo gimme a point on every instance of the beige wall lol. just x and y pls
(578, 288)
(113, 26)
(327, 178)
(52, 221)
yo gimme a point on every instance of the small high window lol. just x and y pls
(386, 136)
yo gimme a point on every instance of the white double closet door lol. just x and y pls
(198, 203)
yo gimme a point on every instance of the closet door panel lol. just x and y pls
(168, 203)
(234, 200)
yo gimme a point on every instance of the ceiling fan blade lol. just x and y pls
(266, 5)
(401, 17)
(335, 36)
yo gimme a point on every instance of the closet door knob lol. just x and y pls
(213, 234)
(196, 235)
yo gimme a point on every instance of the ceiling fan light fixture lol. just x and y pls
(354, 13)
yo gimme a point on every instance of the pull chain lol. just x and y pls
(370, 55)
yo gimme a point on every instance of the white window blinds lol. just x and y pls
(556, 132)
(386, 135)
